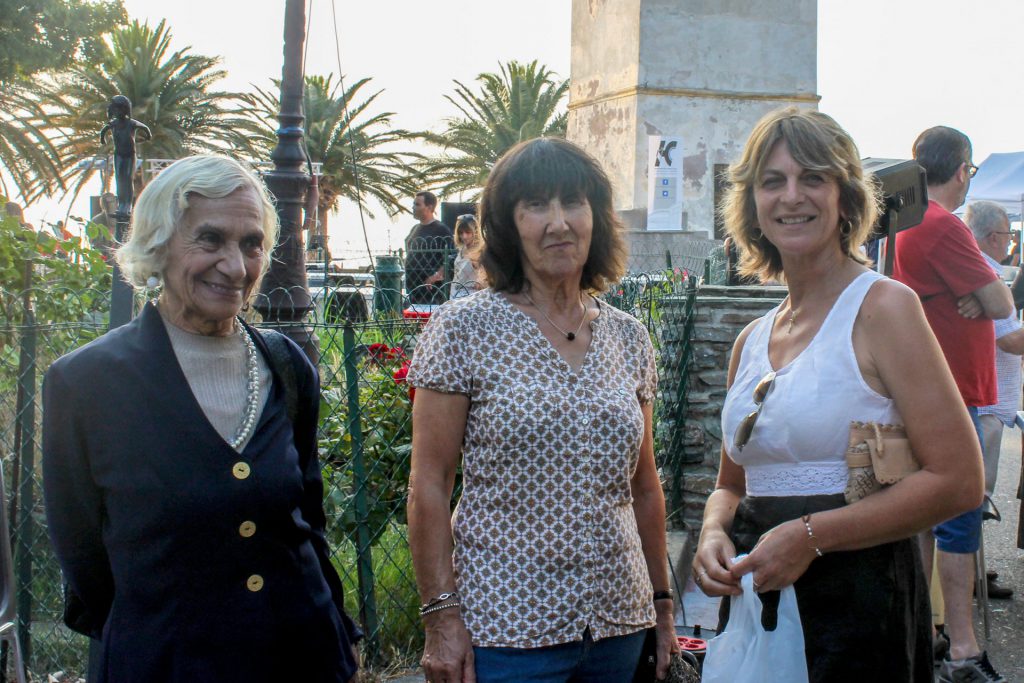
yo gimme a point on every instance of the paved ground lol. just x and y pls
(1006, 644)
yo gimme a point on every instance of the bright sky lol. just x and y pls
(887, 69)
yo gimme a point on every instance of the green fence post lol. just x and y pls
(25, 450)
(682, 390)
(364, 558)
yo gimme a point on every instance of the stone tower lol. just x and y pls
(704, 70)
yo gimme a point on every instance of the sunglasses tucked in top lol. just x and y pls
(746, 427)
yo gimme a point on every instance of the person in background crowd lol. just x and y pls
(847, 345)
(426, 247)
(991, 227)
(940, 260)
(465, 280)
(1012, 257)
(106, 217)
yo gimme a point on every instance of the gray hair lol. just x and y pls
(984, 218)
(161, 208)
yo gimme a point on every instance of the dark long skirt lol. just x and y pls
(866, 614)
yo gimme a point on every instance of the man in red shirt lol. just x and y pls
(940, 260)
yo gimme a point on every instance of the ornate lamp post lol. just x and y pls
(284, 297)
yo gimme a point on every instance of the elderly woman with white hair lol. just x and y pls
(181, 479)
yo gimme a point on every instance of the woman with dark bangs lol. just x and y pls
(553, 567)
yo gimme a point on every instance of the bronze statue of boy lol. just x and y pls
(122, 128)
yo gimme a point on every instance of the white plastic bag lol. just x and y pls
(746, 653)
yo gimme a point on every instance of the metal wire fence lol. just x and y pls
(364, 445)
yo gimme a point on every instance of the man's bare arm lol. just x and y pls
(993, 300)
(1012, 343)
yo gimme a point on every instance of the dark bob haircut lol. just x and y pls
(544, 168)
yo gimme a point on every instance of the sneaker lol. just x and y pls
(976, 669)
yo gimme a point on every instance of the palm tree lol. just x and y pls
(37, 37)
(171, 92)
(26, 153)
(355, 146)
(519, 103)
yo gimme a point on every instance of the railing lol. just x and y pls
(364, 444)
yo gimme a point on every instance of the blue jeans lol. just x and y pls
(962, 534)
(611, 660)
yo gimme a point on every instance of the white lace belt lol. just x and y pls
(792, 479)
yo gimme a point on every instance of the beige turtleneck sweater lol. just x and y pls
(215, 370)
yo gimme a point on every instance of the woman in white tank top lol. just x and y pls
(847, 344)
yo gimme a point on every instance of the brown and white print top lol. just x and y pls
(546, 543)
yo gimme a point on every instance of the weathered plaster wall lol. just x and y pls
(605, 60)
(713, 130)
(769, 46)
(702, 69)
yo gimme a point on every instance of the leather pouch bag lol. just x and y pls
(877, 455)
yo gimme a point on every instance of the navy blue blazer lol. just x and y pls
(193, 562)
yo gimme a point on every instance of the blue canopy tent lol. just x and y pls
(1000, 179)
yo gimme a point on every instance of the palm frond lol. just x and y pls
(519, 102)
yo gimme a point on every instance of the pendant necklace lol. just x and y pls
(792, 319)
(568, 335)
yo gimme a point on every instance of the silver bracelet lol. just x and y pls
(439, 599)
(437, 608)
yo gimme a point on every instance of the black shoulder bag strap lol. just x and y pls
(284, 366)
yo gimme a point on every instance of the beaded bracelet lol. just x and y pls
(437, 608)
(812, 540)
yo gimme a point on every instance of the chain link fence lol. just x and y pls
(364, 444)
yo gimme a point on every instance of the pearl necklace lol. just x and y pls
(568, 335)
(252, 387)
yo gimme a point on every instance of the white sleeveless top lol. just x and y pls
(798, 444)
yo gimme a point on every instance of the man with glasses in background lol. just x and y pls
(961, 295)
(426, 247)
(991, 227)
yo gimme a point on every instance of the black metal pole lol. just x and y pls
(284, 298)
(24, 531)
(121, 293)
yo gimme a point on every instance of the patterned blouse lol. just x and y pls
(546, 543)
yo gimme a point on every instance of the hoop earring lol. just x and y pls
(846, 227)
(758, 235)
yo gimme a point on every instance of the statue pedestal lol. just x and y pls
(122, 294)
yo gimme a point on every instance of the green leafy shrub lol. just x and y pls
(385, 424)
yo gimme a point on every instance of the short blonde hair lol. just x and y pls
(817, 143)
(160, 211)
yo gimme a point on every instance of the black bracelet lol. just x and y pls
(663, 595)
